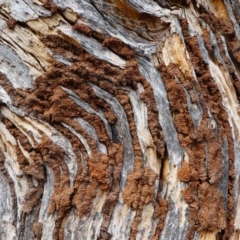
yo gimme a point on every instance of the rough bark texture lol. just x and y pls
(120, 119)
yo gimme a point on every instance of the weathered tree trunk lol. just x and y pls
(120, 119)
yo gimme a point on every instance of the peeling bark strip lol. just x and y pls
(119, 119)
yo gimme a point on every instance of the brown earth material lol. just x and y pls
(161, 210)
(100, 173)
(209, 94)
(49, 102)
(82, 28)
(11, 23)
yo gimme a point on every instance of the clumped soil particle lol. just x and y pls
(116, 154)
(211, 214)
(82, 28)
(232, 45)
(208, 43)
(236, 10)
(138, 192)
(119, 48)
(153, 123)
(181, 117)
(210, 48)
(86, 30)
(37, 230)
(11, 22)
(82, 176)
(98, 165)
(206, 139)
(49, 102)
(184, 172)
(225, 28)
(161, 210)
(32, 170)
(206, 146)
(62, 192)
(195, 169)
(140, 187)
(51, 6)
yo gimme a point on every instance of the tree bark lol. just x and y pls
(120, 119)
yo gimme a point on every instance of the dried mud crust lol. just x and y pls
(101, 172)
(32, 170)
(226, 29)
(49, 102)
(11, 23)
(232, 64)
(202, 146)
(48, 4)
(202, 143)
(138, 192)
(119, 48)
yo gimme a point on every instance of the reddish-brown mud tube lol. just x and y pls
(119, 119)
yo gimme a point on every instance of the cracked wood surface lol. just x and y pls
(119, 119)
